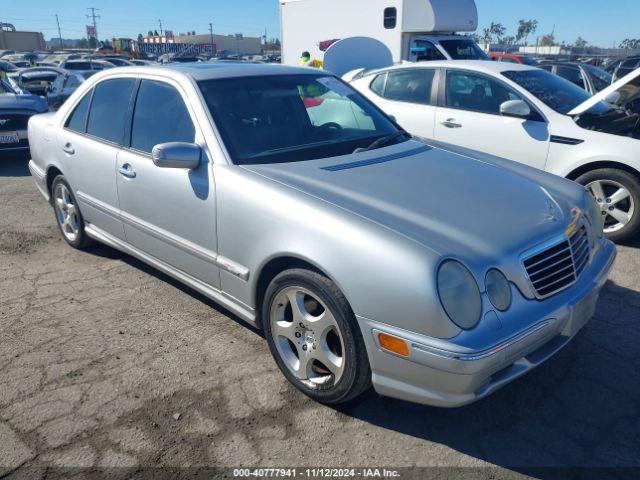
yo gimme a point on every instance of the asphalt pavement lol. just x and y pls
(106, 363)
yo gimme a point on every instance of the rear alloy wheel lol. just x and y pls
(68, 214)
(618, 195)
(314, 337)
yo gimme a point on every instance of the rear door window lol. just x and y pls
(109, 109)
(160, 116)
(412, 86)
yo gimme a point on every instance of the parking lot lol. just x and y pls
(105, 362)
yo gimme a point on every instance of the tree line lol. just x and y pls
(495, 33)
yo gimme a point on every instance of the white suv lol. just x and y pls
(528, 115)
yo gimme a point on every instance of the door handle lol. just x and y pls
(126, 171)
(451, 123)
(68, 148)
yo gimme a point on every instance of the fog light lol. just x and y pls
(393, 344)
(498, 290)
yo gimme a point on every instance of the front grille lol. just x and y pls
(15, 121)
(557, 267)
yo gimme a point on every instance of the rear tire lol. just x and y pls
(67, 212)
(314, 337)
(618, 195)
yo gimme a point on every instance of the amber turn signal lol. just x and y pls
(393, 344)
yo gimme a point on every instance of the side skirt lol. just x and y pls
(245, 312)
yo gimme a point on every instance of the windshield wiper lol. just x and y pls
(381, 142)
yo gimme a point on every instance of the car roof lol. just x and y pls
(215, 70)
(485, 66)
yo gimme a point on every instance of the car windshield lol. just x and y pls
(39, 76)
(462, 49)
(557, 93)
(292, 118)
(78, 65)
(5, 88)
(7, 67)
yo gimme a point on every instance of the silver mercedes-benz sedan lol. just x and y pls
(435, 274)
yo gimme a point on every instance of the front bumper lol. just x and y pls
(443, 373)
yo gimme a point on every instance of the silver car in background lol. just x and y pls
(368, 258)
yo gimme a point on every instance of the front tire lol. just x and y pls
(68, 216)
(314, 337)
(618, 195)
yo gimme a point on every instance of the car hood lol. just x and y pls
(449, 202)
(12, 101)
(613, 94)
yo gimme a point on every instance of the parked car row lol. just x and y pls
(51, 83)
(15, 111)
(434, 273)
(586, 75)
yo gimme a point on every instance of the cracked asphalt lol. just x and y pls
(105, 362)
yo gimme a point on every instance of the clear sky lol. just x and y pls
(601, 22)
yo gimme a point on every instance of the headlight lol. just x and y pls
(596, 218)
(498, 289)
(459, 294)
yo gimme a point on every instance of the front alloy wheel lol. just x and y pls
(617, 193)
(615, 202)
(307, 337)
(314, 337)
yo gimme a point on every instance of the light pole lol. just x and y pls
(59, 34)
(211, 32)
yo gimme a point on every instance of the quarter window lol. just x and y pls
(109, 109)
(468, 91)
(390, 18)
(77, 121)
(377, 86)
(412, 86)
(160, 116)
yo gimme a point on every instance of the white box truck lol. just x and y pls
(412, 30)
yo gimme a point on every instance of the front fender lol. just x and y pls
(598, 148)
(385, 276)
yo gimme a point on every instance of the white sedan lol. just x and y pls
(528, 115)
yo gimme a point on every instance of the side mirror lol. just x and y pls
(613, 98)
(176, 155)
(515, 108)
